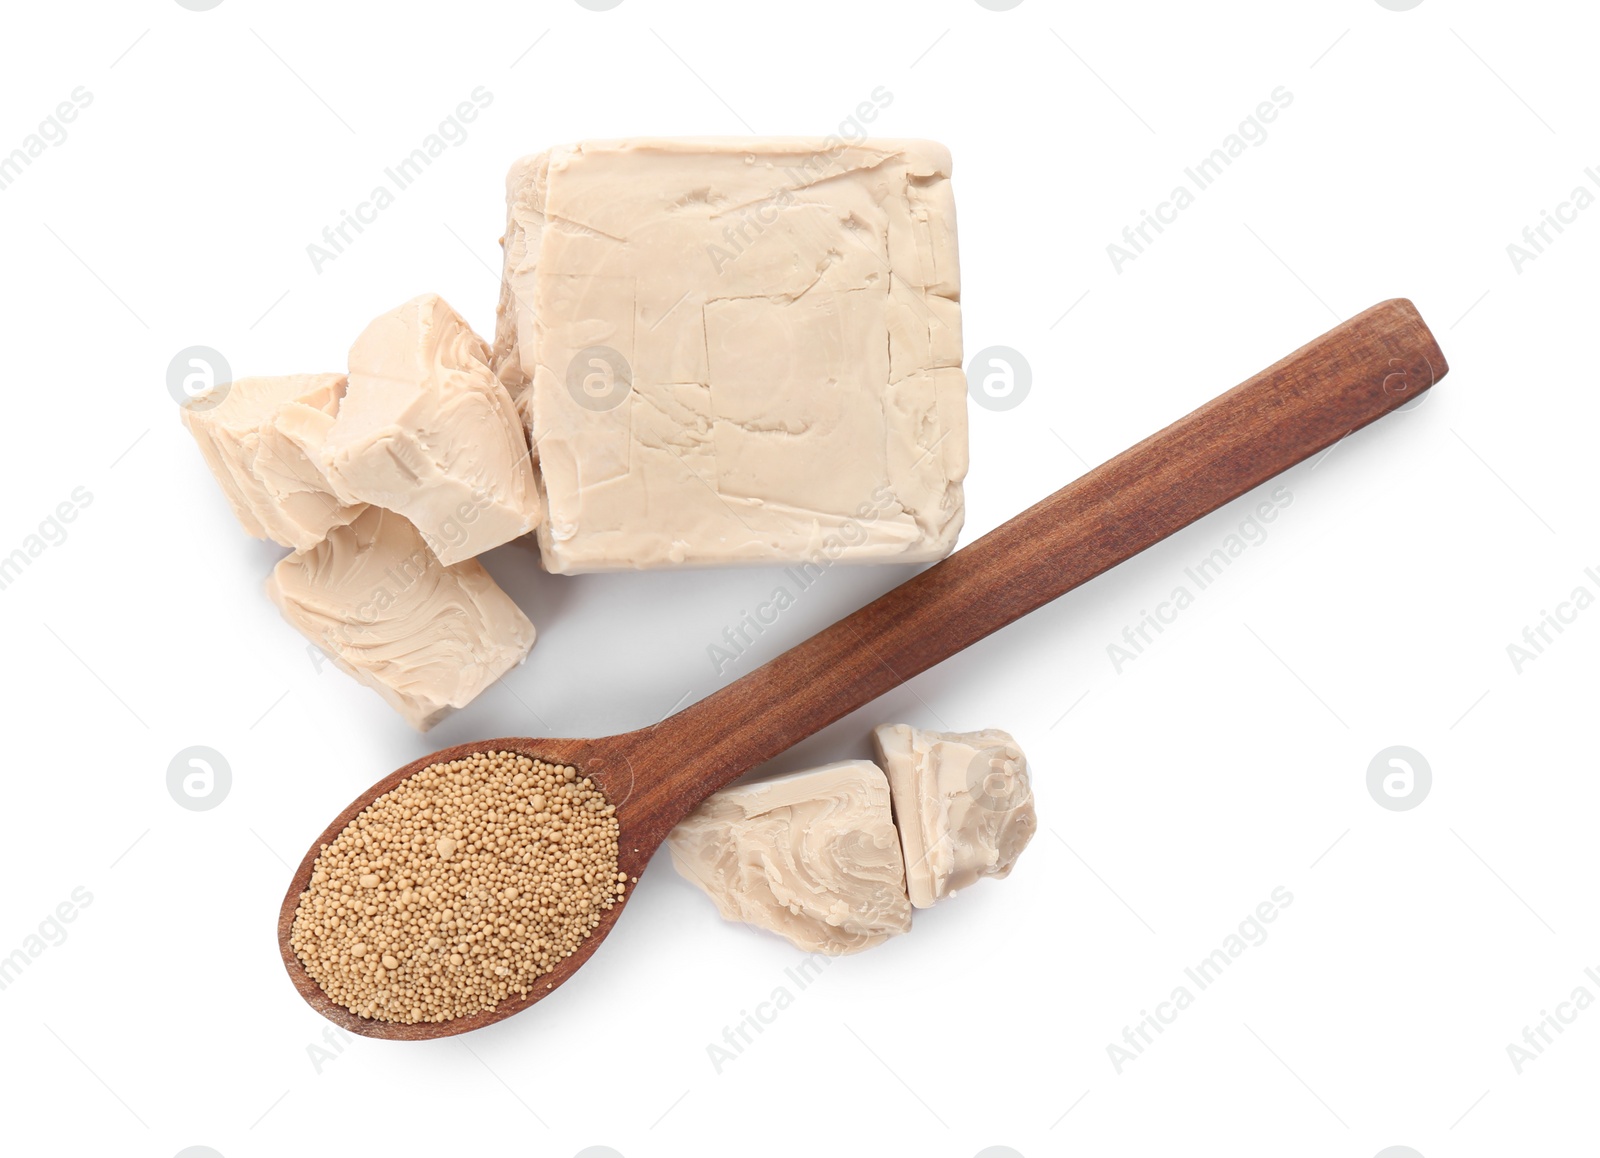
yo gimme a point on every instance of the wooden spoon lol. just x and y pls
(1353, 374)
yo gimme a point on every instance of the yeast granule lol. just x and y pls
(459, 888)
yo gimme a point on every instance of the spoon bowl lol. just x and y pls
(1357, 372)
(603, 761)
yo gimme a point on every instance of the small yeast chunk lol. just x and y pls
(427, 430)
(263, 442)
(811, 856)
(963, 802)
(426, 637)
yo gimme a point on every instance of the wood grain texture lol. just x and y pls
(1365, 367)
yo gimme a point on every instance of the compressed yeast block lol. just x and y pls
(963, 802)
(739, 350)
(811, 856)
(426, 637)
(262, 439)
(427, 430)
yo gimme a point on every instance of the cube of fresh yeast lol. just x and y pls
(427, 430)
(426, 637)
(263, 442)
(737, 350)
(963, 802)
(811, 856)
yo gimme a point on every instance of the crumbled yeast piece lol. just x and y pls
(737, 350)
(426, 637)
(812, 856)
(427, 430)
(263, 443)
(963, 803)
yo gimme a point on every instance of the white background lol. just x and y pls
(1174, 796)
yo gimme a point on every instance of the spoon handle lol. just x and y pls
(1357, 372)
